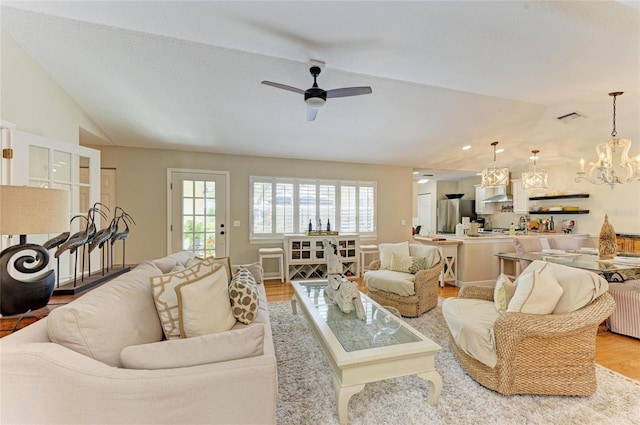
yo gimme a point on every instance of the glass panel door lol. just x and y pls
(198, 213)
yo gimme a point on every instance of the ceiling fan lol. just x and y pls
(315, 97)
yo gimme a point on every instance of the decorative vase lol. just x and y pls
(607, 246)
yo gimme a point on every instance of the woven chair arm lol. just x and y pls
(424, 277)
(482, 292)
(374, 265)
(510, 328)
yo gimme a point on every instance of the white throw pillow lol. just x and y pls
(386, 249)
(203, 305)
(537, 293)
(503, 293)
(212, 348)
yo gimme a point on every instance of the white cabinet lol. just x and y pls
(304, 256)
(519, 194)
(483, 193)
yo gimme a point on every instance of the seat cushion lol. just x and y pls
(471, 322)
(389, 281)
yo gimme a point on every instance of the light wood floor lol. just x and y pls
(616, 352)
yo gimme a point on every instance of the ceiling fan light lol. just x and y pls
(315, 102)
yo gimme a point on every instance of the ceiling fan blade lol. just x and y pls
(283, 86)
(311, 114)
(348, 91)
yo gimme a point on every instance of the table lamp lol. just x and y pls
(28, 210)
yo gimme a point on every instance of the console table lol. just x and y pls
(304, 255)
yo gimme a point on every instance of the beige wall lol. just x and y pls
(142, 179)
(31, 100)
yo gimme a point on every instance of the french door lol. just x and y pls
(198, 209)
(42, 162)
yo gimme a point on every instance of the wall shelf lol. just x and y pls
(540, 198)
(560, 212)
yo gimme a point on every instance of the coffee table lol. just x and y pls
(357, 352)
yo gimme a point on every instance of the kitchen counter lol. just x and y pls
(477, 262)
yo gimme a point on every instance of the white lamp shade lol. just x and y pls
(32, 210)
(495, 177)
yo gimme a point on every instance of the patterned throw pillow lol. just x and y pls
(503, 293)
(165, 297)
(407, 264)
(243, 293)
(225, 261)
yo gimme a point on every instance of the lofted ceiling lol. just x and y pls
(445, 74)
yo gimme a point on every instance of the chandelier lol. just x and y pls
(535, 178)
(602, 170)
(495, 176)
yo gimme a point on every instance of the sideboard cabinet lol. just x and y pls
(304, 256)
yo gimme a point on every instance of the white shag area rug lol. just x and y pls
(306, 394)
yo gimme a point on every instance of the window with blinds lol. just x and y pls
(285, 205)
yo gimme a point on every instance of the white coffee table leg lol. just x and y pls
(435, 386)
(294, 308)
(343, 395)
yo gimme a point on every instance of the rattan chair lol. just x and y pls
(426, 292)
(550, 354)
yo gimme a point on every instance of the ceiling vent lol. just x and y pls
(567, 118)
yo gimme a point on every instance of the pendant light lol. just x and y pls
(495, 176)
(602, 170)
(535, 178)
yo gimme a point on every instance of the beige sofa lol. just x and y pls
(227, 379)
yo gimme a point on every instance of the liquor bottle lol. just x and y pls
(310, 226)
(328, 226)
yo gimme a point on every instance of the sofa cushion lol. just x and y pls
(165, 264)
(386, 249)
(470, 321)
(537, 292)
(104, 321)
(243, 294)
(431, 253)
(255, 269)
(166, 298)
(219, 347)
(390, 281)
(203, 304)
(503, 293)
(225, 261)
(580, 286)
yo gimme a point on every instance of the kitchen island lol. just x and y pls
(477, 262)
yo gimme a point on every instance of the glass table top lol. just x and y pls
(352, 333)
(574, 259)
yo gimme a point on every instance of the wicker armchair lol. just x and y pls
(426, 292)
(550, 354)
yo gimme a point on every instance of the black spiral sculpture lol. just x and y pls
(20, 296)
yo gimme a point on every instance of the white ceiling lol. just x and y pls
(186, 75)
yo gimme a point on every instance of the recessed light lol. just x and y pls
(423, 181)
(478, 174)
(466, 148)
(499, 150)
(416, 172)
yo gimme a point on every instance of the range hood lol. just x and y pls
(499, 198)
(501, 194)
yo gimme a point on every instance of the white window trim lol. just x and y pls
(276, 237)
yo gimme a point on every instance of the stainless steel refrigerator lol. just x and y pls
(451, 211)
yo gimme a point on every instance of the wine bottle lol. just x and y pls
(328, 226)
(310, 226)
(552, 225)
